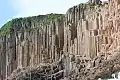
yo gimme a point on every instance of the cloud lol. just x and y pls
(36, 7)
(27, 7)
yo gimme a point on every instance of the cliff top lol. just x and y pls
(44, 19)
(27, 21)
(95, 1)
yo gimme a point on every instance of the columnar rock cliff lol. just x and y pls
(83, 44)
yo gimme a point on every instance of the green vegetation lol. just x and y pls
(53, 16)
(5, 29)
(92, 6)
(25, 23)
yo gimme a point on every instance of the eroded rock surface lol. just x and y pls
(84, 44)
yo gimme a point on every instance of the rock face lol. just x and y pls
(83, 44)
(94, 1)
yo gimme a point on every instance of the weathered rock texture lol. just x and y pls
(82, 45)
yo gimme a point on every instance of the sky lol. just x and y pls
(10, 9)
